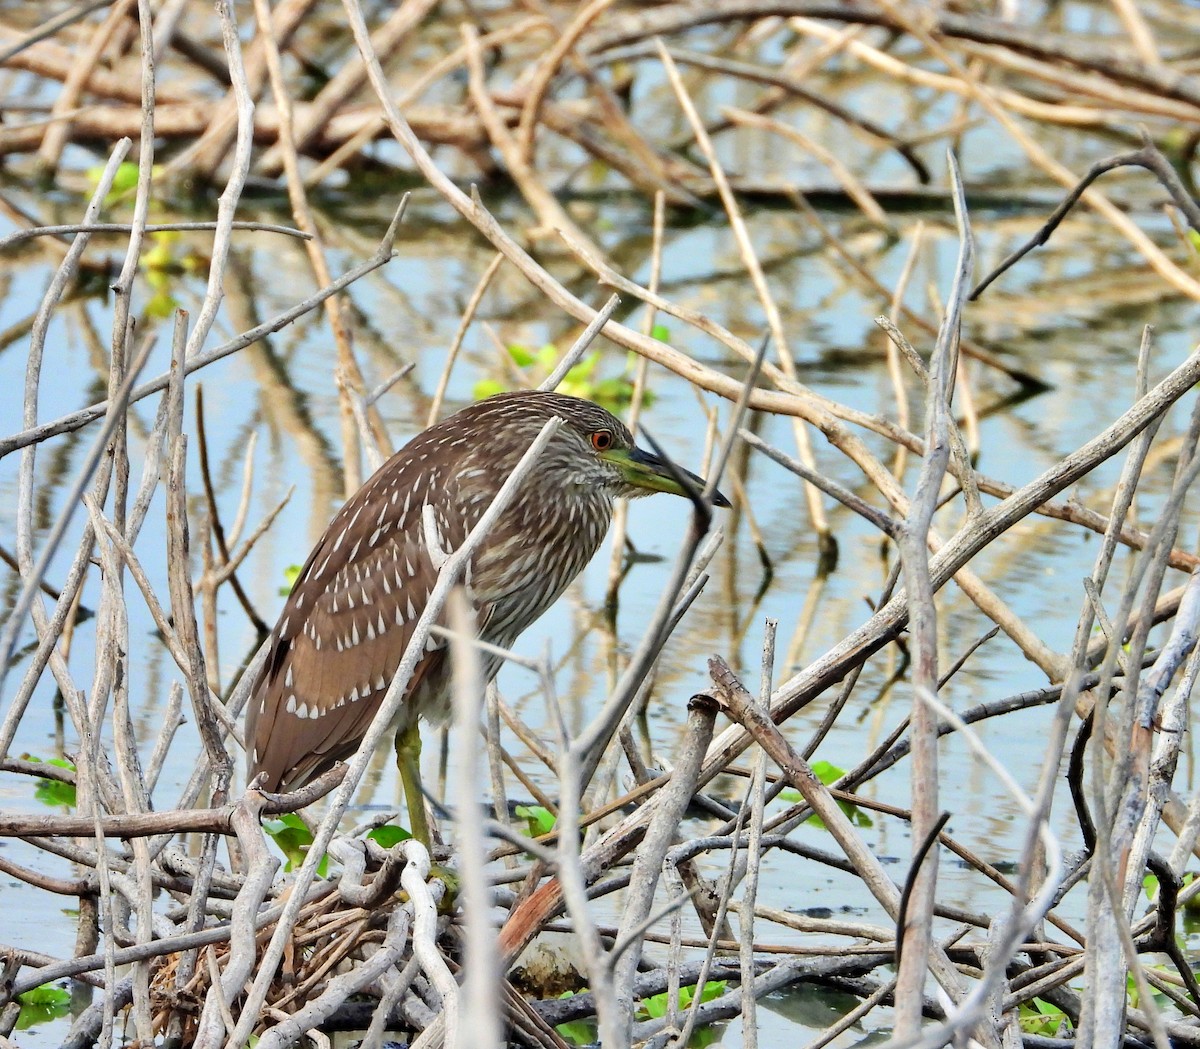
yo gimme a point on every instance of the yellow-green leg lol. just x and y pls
(408, 761)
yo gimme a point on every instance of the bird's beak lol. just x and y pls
(646, 470)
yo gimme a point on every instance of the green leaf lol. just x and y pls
(538, 819)
(290, 575)
(1040, 1017)
(522, 355)
(616, 392)
(160, 256)
(655, 1006)
(1131, 988)
(127, 177)
(54, 792)
(161, 306)
(857, 816)
(388, 835)
(584, 368)
(124, 182)
(575, 389)
(661, 332)
(829, 773)
(547, 356)
(577, 1032)
(1191, 906)
(583, 1032)
(293, 839)
(47, 994)
(42, 1005)
(487, 388)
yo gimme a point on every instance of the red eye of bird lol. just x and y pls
(602, 440)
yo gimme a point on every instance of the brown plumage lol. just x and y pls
(351, 613)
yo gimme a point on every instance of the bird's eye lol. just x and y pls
(602, 440)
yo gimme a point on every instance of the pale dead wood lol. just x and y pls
(303, 958)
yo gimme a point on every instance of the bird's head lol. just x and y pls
(593, 447)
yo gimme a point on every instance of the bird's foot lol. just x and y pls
(448, 876)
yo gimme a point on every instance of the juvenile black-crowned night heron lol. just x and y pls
(356, 602)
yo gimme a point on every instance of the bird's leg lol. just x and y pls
(408, 761)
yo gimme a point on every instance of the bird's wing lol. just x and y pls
(336, 647)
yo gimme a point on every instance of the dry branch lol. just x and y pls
(555, 102)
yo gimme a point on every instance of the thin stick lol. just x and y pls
(23, 235)
(581, 345)
(914, 548)
(757, 277)
(659, 837)
(481, 287)
(757, 795)
(480, 1000)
